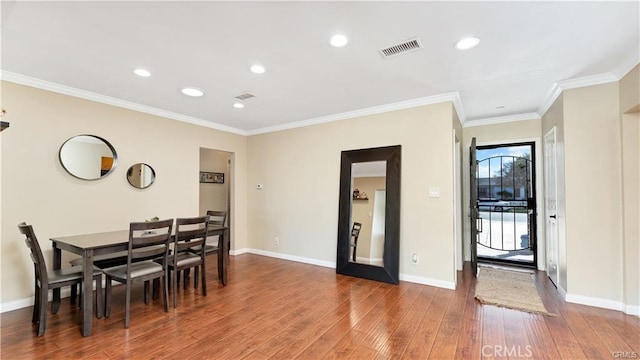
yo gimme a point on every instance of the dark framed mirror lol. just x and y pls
(141, 175)
(369, 214)
(88, 157)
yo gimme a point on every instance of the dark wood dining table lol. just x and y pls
(90, 245)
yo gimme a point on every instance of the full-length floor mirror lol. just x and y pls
(369, 214)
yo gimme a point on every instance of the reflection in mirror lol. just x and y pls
(368, 183)
(141, 175)
(369, 214)
(88, 157)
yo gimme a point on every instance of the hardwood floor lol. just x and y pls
(277, 309)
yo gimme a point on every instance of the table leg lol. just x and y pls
(57, 264)
(225, 255)
(87, 292)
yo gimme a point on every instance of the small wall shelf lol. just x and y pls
(360, 198)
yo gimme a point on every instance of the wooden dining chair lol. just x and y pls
(190, 233)
(53, 279)
(216, 218)
(355, 233)
(144, 241)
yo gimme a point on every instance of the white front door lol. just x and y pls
(550, 200)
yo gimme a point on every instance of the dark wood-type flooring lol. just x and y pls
(277, 309)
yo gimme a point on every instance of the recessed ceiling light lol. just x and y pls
(467, 43)
(257, 69)
(238, 105)
(142, 72)
(501, 107)
(339, 40)
(192, 92)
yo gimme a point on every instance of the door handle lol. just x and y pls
(552, 216)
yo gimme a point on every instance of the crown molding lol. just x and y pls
(562, 85)
(429, 100)
(457, 104)
(587, 81)
(502, 119)
(552, 95)
(87, 95)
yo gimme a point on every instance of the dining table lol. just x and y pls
(90, 245)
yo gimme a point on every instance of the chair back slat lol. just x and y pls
(190, 233)
(36, 252)
(149, 239)
(218, 218)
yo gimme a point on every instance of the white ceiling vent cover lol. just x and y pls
(245, 96)
(402, 48)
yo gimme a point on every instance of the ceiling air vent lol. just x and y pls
(402, 48)
(245, 96)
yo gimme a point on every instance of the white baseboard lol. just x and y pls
(301, 259)
(632, 310)
(596, 302)
(428, 281)
(404, 277)
(26, 302)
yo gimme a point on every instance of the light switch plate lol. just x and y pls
(434, 192)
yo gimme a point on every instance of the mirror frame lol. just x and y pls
(391, 259)
(107, 143)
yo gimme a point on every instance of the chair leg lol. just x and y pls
(42, 305)
(127, 306)
(204, 280)
(195, 277)
(99, 298)
(74, 293)
(107, 297)
(36, 306)
(220, 266)
(155, 289)
(146, 292)
(80, 295)
(174, 287)
(186, 275)
(165, 291)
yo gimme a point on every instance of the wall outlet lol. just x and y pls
(414, 259)
(276, 240)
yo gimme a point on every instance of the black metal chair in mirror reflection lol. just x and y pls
(150, 240)
(355, 232)
(188, 252)
(45, 280)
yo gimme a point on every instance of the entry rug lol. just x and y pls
(509, 289)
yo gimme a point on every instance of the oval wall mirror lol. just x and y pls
(141, 175)
(88, 157)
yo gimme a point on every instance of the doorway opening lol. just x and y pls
(506, 203)
(216, 195)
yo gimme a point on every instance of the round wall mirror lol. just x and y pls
(141, 175)
(88, 157)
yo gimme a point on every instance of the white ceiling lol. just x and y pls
(526, 48)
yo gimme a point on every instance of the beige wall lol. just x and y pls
(362, 210)
(36, 189)
(214, 196)
(593, 192)
(300, 171)
(516, 131)
(554, 117)
(630, 130)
